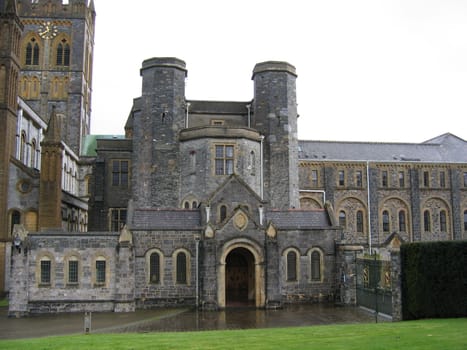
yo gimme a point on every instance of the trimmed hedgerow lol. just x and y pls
(434, 279)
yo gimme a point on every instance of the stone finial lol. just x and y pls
(54, 127)
(126, 237)
(209, 231)
(20, 231)
(271, 231)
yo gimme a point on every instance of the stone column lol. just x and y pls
(125, 274)
(18, 297)
(273, 294)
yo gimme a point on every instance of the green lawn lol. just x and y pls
(424, 335)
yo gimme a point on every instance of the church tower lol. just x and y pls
(10, 34)
(56, 55)
(275, 116)
(156, 168)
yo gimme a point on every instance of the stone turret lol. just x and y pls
(156, 167)
(275, 116)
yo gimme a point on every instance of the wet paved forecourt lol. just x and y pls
(178, 320)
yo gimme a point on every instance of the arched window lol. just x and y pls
(385, 221)
(22, 147)
(291, 266)
(426, 221)
(342, 220)
(402, 221)
(34, 91)
(33, 153)
(32, 53)
(194, 205)
(443, 221)
(193, 161)
(15, 220)
(63, 53)
(181, 268)
(315, 259)
(359, 220)
(154, 268)
(465, 220)
(222, 213)
(186, 205)
(252, 163)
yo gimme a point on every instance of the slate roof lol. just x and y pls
(444, 148)
(295, 219)
(218, 107)
(166, 219)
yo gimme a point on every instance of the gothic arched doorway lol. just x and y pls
(241, 274)
(240, 278)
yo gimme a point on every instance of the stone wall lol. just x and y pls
(28, 294)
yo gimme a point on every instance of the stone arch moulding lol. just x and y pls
(258, 255)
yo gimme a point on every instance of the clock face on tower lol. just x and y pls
(48, 30)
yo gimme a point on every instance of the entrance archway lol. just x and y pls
(241, 274)
(240, 278)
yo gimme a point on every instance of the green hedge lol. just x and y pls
(434, 280)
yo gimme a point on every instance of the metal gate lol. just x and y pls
(374, 283)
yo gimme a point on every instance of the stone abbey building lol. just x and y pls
(200, 203)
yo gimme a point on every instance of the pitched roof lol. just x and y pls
(444, 148)
(295, 219)
(165, 219)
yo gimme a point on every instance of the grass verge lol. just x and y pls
(423, 334)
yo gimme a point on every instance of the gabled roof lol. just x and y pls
(165, 219)
(444, 148)
(296, 219)
(233, 213)
(231, 181)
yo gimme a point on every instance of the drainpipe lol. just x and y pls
(261, 173)
(248, 106)
(369, 204)
(208, 213)
(197, 270)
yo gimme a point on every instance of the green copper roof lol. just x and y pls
(90, 143)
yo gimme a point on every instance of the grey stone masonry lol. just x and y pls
(416, 213)
(456, 203)
(18, 296)
(156, 166)
(275, 116)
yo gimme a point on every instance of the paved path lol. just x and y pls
(163, 320)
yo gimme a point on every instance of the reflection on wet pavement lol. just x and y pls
(165, 320)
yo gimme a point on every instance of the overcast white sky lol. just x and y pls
(368, 70)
